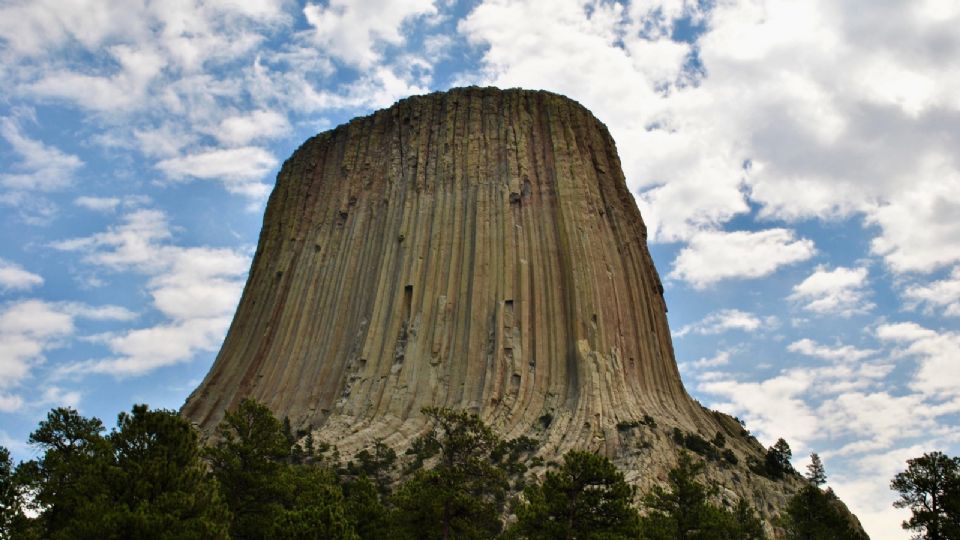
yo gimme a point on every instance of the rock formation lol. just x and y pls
(474, 249)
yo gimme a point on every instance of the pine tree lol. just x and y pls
(930, 488)
(69, 484)
(248, 461)
(813, 514)
(587, 498)
(684, 511)
(160, 487)
(463, 495)
(816, 474)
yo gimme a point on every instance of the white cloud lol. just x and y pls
(41, 167)
(712, 256)
(352, 32)
(814, 110)
(722, 358)
(724, 320)
(242, 129)
(29, 328)
(772, 408)
(97, 204)
(14, 278)
(938, 373)
(847, 353)
(240, 169)
(919, 229)
(126, 89)
(944, 294)
(195, 288)
(840, 291)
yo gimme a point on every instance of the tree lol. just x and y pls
(269, 496)
(68, 485)
(464, 493)
(160, 487)
(683, 511)
(930, 488)
(314, 509)
(9, 500)
(777, 459)
(248, 461)
(813, 514)
(816, 474)
(587, 498)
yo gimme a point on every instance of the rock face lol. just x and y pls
(474, 249)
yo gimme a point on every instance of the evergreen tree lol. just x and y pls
(68, 485)
(684, 511)
(930, 488)
(777, 459)
(816, 474)
(159, 487)
(314, 508)
(9, 499)
(586, 499)
(813, 514)
(269, 496)
(248, 461)
(463, 494)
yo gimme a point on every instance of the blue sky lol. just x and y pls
(796, 164)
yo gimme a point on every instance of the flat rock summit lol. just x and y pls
(475, 249)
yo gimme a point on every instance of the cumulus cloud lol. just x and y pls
(242, 129)
(29, 328)
(97, 204)
(938, 372)
(724, 320)
(773, 408)
(841, 291)
(352, 31)
(195, 288)
(14, 278)
(712, 256)
(943, 294)
(763, 115)
(41, 167)
(240, 169)
(722, 358)
(809, 347)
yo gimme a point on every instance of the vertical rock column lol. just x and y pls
(472, 249)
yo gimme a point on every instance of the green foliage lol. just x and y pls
(816, 474)
(312, 507)
(683, 511)
(776, 462)
(719, 440)
(813, 514)
(145, 480)
(9, 498)
(463, 495)
(930, 488)
(271, 491)
(377, 466)
(68, 484)
(365, 509)
(696, 443)
(586, 499)
(248, 461)
(160, 487)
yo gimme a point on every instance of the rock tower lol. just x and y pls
(474, 249)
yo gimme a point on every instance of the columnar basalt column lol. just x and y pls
(474, 249)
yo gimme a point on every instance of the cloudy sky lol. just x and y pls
(796, 163)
